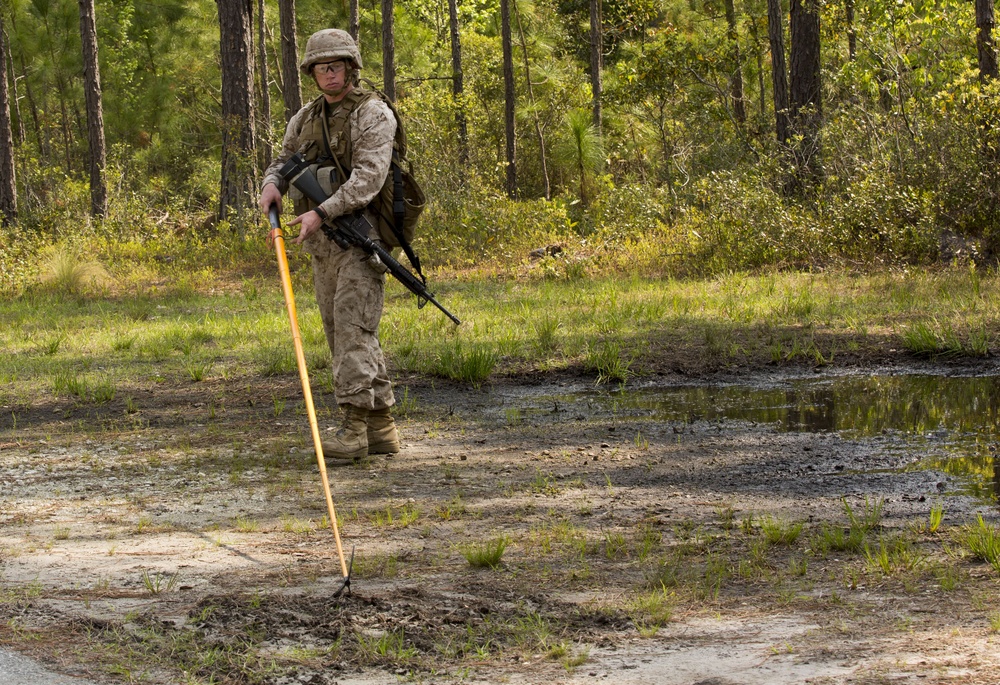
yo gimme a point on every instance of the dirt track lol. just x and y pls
(184, 543)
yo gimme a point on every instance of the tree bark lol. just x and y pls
(44, 149)
(95, 111)
(238, 181)
(388, 51)
(264, 122)
(508, 98)
(457, 84)
(61, 90)
(779, 75)
(984, 40)
(8, 186)
(758, 53)
(531, 98)
(805, 101)
(354, 22)
(6, 54)
(736, 82)
(291, 89)
(596, 60)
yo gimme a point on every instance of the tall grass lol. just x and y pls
(512, 325)
(982, 541)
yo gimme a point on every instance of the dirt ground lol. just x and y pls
(182, 539)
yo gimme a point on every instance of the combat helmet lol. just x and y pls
(329, 45)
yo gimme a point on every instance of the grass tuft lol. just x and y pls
(778, 532)
(652, 610)
(982, 541)
(64, 270)
(611, 362)
(486, 554)
(468, 365)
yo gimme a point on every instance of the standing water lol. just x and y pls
(937, 422)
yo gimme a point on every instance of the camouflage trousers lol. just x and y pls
(350, 294)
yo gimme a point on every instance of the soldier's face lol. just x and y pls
(331, 77)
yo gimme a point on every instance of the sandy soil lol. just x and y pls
(185, 542)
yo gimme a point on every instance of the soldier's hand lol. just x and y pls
(270, 195)
(309, 224)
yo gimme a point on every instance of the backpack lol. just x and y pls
(401, 201)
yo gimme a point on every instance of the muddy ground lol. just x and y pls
(180, 537)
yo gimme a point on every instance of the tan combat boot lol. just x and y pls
(382, 435)
(350, 443)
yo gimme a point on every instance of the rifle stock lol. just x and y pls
(353, 230)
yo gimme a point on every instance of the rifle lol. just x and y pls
(353, 230)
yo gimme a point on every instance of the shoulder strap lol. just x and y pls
(350, 102)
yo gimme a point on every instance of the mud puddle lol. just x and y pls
(921, 422)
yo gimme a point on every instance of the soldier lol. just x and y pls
(346, 134)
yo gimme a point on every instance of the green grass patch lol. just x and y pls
(485, 554)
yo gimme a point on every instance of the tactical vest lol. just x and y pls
(313, 143)
(394, 211)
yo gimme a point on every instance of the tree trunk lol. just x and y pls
(805, 101)
(508, 97)
(354, 22)
(44, 149)
(95, 111)
(852, 34)
(596, 60)
(531, 98)
(779, 75)
(457, 84)
(984, 39)
(291, 89)
(758, 53)
(6, 54)
(8, 187)
(388, 52)
(238, 181)
(264, 122)
(61, 90)
(736, 82)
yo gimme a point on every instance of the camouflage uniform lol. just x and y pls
(349, 290)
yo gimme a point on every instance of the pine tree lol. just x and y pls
(509, 99)
(779, 74)
(985, 46)
(388, 51)
(238, 181)
(804, 79)
(8, 187)
(457, 84)
(95, 110)
(291, 88)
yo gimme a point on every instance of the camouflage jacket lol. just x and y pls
(362, 141)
